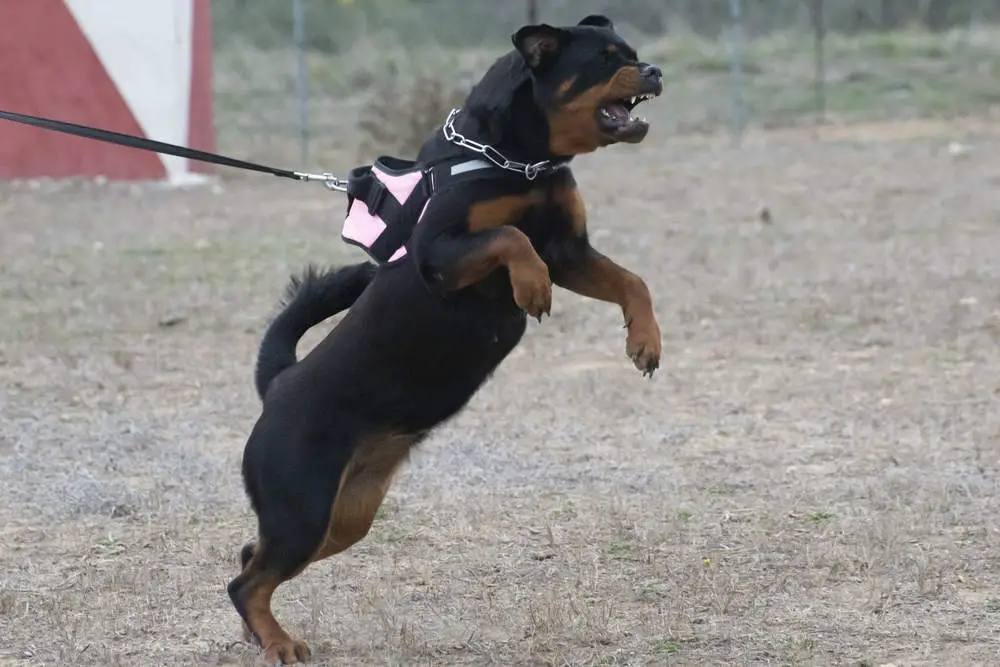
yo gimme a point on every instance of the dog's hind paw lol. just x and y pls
(287, 652)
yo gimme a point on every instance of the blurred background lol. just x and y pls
(318, 80)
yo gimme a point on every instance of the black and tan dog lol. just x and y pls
(423, 334)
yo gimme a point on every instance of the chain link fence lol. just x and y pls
(309, 81)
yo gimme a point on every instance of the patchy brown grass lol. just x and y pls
(811, 478)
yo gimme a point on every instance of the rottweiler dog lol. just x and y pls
(422, 334)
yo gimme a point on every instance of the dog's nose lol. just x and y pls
(651, 71)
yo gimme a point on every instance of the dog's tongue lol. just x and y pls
(616, 112)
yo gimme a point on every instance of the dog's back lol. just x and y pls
(402, 355)
(309, 299)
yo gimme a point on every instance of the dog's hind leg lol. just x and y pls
(276, 557)
(363, 485)
(291, 482)
(246, 553)
(295, 532)
(251, 593)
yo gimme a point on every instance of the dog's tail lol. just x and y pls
(309, 299)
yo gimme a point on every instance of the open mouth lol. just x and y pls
(617, 121)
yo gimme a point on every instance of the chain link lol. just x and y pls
(530, 170)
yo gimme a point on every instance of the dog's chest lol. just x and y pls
(546, 223)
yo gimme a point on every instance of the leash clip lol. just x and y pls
(329, 180)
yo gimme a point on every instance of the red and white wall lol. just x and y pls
(142, 67)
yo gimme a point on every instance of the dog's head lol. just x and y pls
(587, 81)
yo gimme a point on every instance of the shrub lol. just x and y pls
(402, 112)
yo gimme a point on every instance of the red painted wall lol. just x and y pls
(48, 68)
(201, 127)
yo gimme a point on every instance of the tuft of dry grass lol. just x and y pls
(402, 111)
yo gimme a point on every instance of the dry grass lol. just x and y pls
(810, 479)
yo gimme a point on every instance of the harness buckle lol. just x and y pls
(376, 196)
(427, 182)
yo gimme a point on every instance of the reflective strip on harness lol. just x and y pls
(469, 165)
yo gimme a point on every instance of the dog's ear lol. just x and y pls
(491, 99)
(598, 20)
(538, 44)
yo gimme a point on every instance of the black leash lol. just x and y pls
(142, 143)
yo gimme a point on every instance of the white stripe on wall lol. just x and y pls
(146, 48)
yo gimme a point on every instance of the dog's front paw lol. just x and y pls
(532, 287)
(643, 345)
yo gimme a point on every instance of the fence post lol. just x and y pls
(819, 56)
(736, 70)
(301, 77)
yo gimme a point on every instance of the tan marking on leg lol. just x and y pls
(598, 277)
(277, 644)
(529, 275)
(363, 485)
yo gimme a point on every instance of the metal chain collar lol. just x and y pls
(530, 171)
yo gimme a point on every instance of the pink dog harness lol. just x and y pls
(387, 199)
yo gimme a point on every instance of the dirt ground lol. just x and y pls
(810, 478)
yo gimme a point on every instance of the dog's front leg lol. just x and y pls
(462, 260)
(593, 275)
